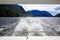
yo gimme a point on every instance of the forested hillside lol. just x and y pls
(12, 11)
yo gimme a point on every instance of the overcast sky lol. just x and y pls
(48, 7)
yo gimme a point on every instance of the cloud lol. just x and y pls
(57, 8)
(38, 6)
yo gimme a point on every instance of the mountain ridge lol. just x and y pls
(12, 10)
(39, 13)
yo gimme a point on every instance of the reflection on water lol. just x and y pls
(31, 26)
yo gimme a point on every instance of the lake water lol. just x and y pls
(31, 26)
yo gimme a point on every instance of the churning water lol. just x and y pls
(31, 26)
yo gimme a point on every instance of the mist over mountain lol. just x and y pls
(38, 13)
(12, 10)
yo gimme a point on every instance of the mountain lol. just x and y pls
(12, 10)
(57, 15)
(38, 13)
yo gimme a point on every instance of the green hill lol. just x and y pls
(7, 10)
(57, 15)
